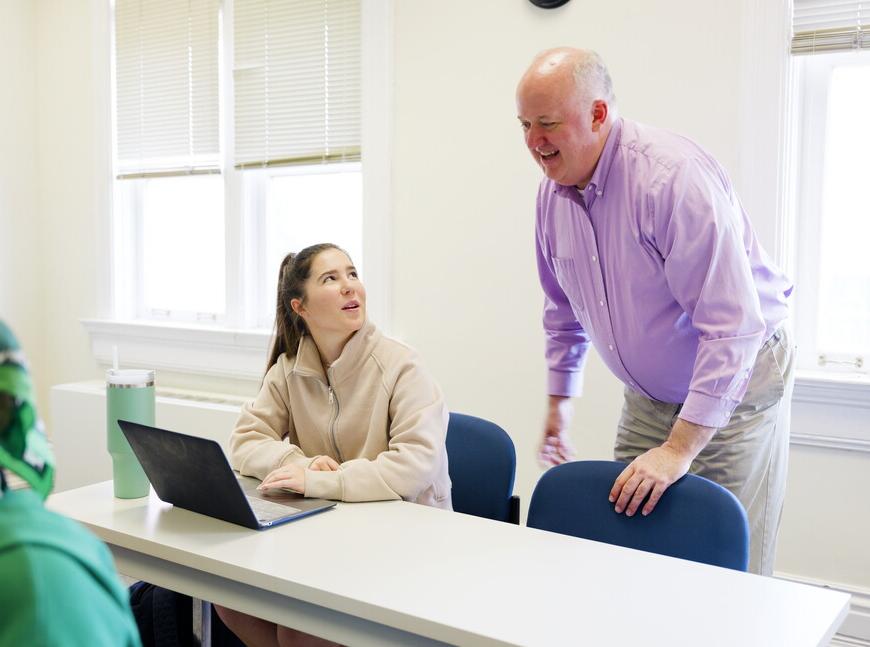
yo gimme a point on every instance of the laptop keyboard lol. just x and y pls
(269, 510)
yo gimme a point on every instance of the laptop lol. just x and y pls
(193, 473)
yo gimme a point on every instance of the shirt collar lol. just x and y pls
(596, 185)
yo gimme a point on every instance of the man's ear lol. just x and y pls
(600, 110)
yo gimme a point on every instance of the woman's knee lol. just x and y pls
(234, 620)
(223, 613)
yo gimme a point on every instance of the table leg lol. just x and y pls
(205, 639)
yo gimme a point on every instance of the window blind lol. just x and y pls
(830, 25)
(297, 82)
(166, 80)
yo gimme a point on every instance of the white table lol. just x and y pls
(395, 573)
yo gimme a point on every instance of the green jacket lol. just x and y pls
(58, 585)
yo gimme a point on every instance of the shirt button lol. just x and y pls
(601, 302)
(610, 346)
(594, 259)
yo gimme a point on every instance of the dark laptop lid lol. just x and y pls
(193, 473)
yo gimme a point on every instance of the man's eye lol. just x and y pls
(524, 125)
(548, 124)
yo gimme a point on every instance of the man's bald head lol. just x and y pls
(564, 106)
(591, 78)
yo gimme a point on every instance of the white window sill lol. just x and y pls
(841, 394)
(200, 350)
(833, 389)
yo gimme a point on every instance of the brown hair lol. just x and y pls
(289, 326)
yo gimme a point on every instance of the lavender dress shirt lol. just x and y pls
(655, 262)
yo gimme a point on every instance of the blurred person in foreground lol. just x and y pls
(58, 584)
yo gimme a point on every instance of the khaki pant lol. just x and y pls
(749, 456)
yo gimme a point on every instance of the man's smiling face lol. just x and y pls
(561, 132)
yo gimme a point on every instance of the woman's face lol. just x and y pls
(335, 298)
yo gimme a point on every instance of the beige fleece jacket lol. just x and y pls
(376, 411)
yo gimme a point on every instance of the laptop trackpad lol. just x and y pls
(291, 501)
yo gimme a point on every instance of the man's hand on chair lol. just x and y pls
(654, 471)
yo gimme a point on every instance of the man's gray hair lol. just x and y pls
(592, 78)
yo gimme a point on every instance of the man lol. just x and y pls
(644, 250)
(57, 581)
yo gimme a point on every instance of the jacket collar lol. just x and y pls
(357, 348)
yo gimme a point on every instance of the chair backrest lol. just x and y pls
(482, 463)
(695, 519)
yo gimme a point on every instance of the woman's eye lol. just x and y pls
(328, 278)
(354, 275)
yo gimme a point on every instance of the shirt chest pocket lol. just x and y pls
(566, 275)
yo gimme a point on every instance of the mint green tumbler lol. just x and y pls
(129, 396)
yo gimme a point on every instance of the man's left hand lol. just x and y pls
(655, 471)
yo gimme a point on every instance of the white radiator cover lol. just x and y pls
(78, 434)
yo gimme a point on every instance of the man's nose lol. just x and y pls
(534, 136)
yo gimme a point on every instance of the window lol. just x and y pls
(833, 276)
(303, 206)
(237, 139)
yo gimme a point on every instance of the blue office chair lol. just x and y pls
(482, 463)
(695, 519)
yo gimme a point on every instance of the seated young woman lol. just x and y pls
(343, 412)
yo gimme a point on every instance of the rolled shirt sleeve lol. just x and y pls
(566, 342)
(701, 238)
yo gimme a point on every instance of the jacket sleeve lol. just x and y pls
(416, 447)
(263, 439)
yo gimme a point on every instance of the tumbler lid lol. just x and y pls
(129, 377)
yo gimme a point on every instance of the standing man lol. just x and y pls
(644, 250)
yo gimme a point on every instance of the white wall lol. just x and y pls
(465, 291)
(467, 294)
(72, 162)
(20, 260)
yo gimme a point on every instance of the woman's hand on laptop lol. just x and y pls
(289, 477)
(324, 464)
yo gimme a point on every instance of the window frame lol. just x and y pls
(810, 97)
(235, 346)
(255, 190)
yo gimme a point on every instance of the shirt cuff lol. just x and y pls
(569, 384)
(706, 410)
(323, 485)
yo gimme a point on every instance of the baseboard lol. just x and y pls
(855, 630)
